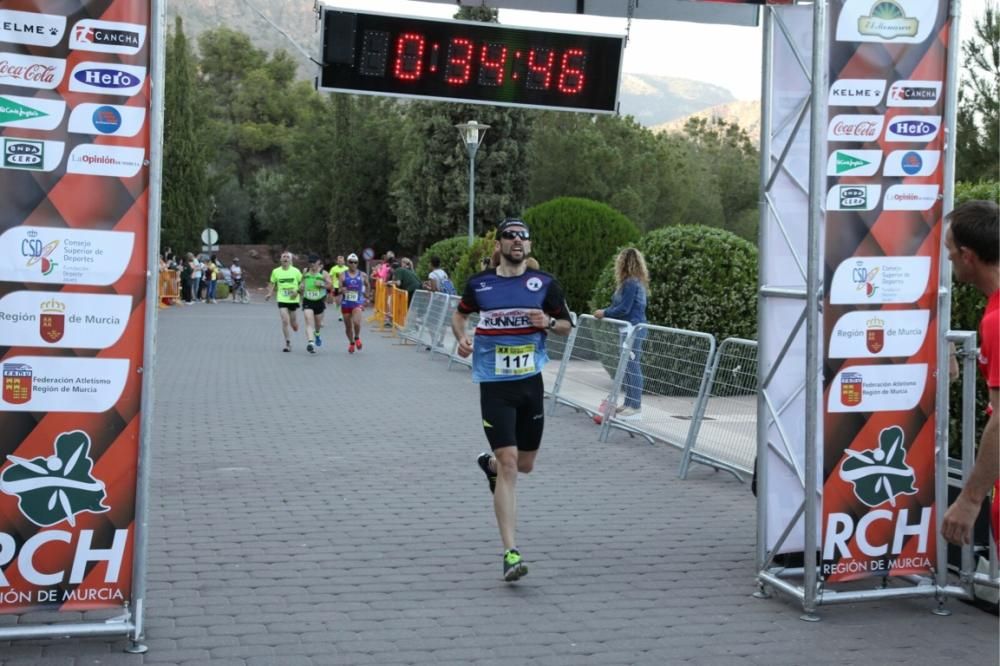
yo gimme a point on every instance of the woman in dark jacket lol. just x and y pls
(629, 304)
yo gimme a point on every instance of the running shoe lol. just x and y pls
(357, 343)
(310, 348)
(484, 464)
(319, 341)
(288, 346)
(513, 566)
(350, 348)
(629, 414)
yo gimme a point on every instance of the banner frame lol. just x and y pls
(803, 582)
(131, 621)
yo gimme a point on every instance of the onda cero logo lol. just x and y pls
(108, 79)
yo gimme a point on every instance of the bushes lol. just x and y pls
(573, 238)
(700, 279)
(471, 261)
(450, 250)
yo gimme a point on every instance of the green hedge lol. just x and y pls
(450, 250)
(573, 239)
(471, 260)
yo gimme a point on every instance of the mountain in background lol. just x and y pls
(651, 100)
(746, 114)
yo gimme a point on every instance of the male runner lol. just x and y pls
(315, 284)
(335, 272)
(286, 279)
(518, 307)
(973, 243)
(353, 285)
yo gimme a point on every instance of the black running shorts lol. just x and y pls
(316, 306)
(513, 412)
(291, 307)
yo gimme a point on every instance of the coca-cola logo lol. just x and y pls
(35, 72)
(862, 129)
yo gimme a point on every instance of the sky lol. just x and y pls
(727, 56)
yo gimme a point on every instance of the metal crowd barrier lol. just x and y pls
(587, 371)
(470, 330)
(442, 338)
(666, 369)
(416, 314)
(170, 288)
(379, 303)
(400, 304)
(438, 312)
(723, 433)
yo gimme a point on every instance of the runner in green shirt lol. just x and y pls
(315, 285)
(286, 279)
(335, 272)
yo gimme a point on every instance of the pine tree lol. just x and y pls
(185, 197)
(978, 122)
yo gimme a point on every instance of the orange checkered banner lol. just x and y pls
(74, 181)
(884, 171)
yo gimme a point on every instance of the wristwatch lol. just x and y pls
(552, 322)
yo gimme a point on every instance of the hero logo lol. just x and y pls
(913, 128)
(914, 93)
(97, 77)
(107, 37)
(857, 92)
(855, 128)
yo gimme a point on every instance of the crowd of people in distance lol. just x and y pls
(198, 276)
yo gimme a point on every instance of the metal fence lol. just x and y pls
(470, 330)
(416, 315)
(724, 432)
(664, 372)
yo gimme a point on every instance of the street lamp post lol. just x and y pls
(472, 134)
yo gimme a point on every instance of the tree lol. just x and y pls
(185, 195)
(978, 122)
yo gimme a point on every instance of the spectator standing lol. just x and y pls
(629, 304)
(236, 275)
(212, 276)
(405, 278)
(438, 279)
(197, 270)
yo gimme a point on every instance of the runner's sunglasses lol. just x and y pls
(511, 235)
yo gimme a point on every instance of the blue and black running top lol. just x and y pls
(353, 289)
(506, 345)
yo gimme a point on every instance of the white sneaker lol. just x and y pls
(629, 414)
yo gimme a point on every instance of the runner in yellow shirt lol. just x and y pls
(335, 272)
(286, 279)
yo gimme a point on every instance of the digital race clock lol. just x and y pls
(483, 63)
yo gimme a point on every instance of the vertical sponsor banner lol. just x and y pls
(883, 234)
(74, 182)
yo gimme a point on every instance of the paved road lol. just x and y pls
(328, 510)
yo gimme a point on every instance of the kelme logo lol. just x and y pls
(881, 473)
(59, 487)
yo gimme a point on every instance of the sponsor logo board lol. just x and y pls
(885, 333)
(877, 388)
(105, 78)
(96, 160)
(108, 119)
(107, 37)
(31, 71)
(860, 128)
(913, 128)
(912, 162)
(31, 112)
(853, 162)
(853, 197)
(31, 28)
(856, 92)
(56, 319)
(910, 197)
(66, 384)
(914, 93)
(64, 256)
(879, 280)
(888, 21)
(30, 154)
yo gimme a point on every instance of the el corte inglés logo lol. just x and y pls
(881, 473)
(59, 487)
(888, 20)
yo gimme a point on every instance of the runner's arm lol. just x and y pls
(958, 520)
(458, 323)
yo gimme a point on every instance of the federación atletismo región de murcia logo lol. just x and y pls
(50, 490)
(881, 473)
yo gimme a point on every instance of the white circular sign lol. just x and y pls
(368, 254)
(210, 236)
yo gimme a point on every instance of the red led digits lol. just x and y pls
(409, 56)
(540, 62)
(571, 77)
(492, 61)
(458, 65)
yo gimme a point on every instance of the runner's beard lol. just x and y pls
(512, 260)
